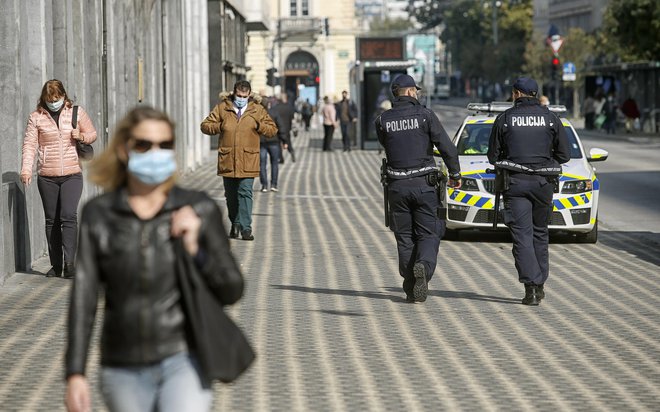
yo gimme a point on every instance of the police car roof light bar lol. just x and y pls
(498, 107)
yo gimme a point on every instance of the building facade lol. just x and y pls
(111, 56)
(310, 43)
(566, 14)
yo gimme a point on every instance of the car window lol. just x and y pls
(473, 140)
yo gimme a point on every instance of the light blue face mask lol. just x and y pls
(55, 106)
(152, 167)
(240, 102)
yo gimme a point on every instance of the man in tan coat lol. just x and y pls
(239, 119)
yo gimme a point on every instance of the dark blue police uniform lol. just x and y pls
(408, 133)
(530, 142)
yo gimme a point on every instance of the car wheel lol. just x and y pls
(589, 237)
(450, 234)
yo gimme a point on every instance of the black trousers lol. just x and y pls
(416, 226)
(60, 197)
(527, 210)
(328, 131)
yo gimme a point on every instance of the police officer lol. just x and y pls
(408, 133)
(529, 142)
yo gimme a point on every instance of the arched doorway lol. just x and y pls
(301, 77)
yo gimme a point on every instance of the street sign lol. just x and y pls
(555, 43)
(569, 72)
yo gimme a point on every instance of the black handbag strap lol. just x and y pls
(74, 118)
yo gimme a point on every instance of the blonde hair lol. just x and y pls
(108, 170)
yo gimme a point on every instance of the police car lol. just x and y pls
(472, 206)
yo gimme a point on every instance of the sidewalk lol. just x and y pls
(325, 312)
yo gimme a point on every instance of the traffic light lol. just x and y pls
(270, 76)
(555, 67)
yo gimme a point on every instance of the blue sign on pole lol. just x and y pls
(569, 68)
(569, 72)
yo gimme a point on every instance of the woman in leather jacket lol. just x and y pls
(127, 247)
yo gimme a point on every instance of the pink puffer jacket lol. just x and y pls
(56, 149)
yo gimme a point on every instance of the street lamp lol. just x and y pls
(496, 4)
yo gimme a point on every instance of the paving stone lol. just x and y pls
(325, 312)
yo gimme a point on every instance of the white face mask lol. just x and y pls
(56, 105)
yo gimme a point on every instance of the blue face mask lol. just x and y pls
(240, 102)
(152, 167)
(55, 106)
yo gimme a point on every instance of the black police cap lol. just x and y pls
(403, 81)
(526, 85)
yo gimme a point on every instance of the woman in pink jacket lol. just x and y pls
(50, 136)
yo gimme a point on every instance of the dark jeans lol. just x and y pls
(306, 119)
(238, 192)
(346, 140)
(589, 120)
(272, 150)
(527, 209)
(328, 131)
(416, 226)
(60, 196)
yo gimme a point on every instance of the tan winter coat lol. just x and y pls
(54, 147)
(238, 146)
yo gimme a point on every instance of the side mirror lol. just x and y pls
(597, 155)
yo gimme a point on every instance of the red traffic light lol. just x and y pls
(317, 79)
(555, 61)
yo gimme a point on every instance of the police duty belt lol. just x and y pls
(406, 173)
(515, 167)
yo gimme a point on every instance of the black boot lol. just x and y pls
(247, 234)
(69, 271)
(531, 296)
(235, 230)
(421, 288)
(54, 272)
(540, 292)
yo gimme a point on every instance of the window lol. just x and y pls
(295, 10)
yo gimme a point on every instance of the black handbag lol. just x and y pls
(222, 349)
(85, 151)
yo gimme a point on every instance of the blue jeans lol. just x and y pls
(272, 150)
(173, 384)
(238, 192)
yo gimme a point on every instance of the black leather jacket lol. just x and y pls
(133, 261)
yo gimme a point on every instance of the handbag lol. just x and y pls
(600, 120)
(222, 349)
(85, 151)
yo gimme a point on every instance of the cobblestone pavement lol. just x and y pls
(324, 310)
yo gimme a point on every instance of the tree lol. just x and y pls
(470, 38)
(388, 26)
(578, 48)
(632, 29)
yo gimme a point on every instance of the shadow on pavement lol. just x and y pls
(642, 245)
(339, 312)
(341, 292)
(451, 294)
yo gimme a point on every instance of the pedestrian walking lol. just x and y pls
(408, 133)
(610, 110)
(50, 132)
(589, 110)
(132, 240)
(270, 147)
(306, 111)
(631, 111)
(329, 113)
(284, 113)
(239, 119)
(347, 114)
(527, 145)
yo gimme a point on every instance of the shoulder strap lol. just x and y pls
(74, 117)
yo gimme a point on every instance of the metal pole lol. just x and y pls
(495, 22)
